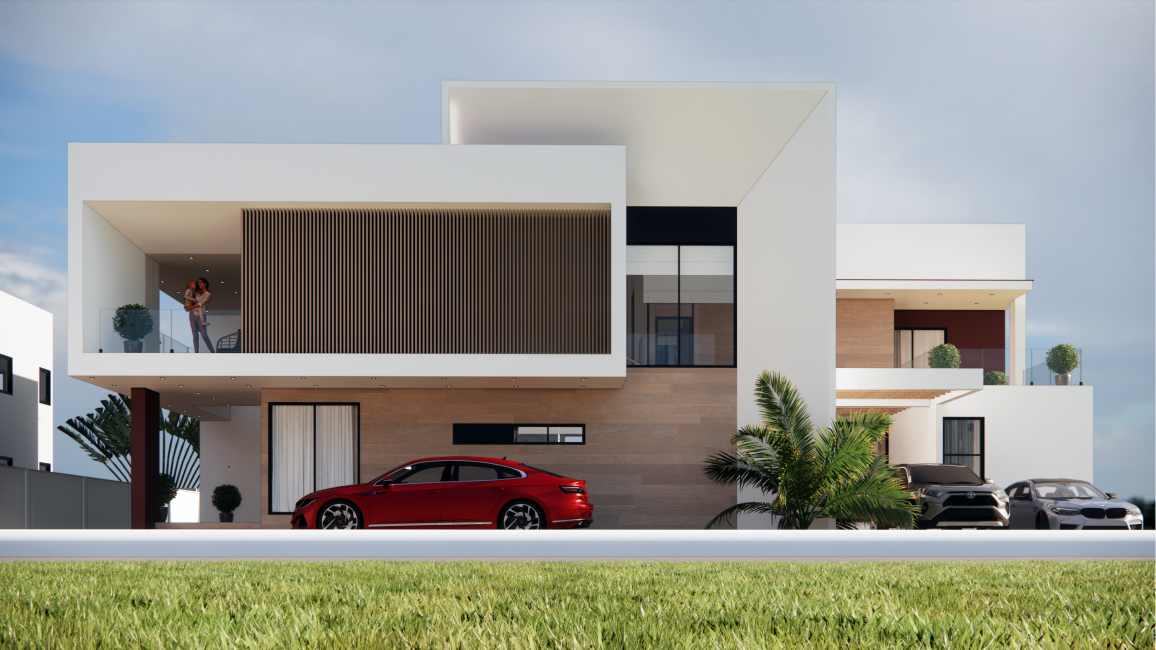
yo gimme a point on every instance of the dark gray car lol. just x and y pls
(1069, 504)
(952, 496)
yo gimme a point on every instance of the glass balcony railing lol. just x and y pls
(169, 331)
(1033, 361)
(706, 349)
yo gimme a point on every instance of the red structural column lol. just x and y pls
(146, 457)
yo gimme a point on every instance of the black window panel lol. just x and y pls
(483, 434)
(467, 471)
(681, 225)
(45, 387)
(422, 473)
(5, 374)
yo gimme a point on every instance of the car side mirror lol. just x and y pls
(988, 481)
(384, 483)
(1111, 495)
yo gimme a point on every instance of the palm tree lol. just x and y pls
(107, 438)
(811, 473)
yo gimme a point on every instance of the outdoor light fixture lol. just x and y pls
(382, 386)
(92, 377)
(190, 257)
(181, 386)
(248, 386)
(162, 377)
(198, 392)
(887, 294)
(315, 385)
(232, 377)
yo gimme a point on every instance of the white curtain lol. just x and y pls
(336, 439)
(292, 453)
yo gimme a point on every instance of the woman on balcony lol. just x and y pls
(197, 319)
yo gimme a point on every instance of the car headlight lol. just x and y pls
(1001, 495)
(934, 494)
(1065, 512)
(302, 503)
(1133, 511)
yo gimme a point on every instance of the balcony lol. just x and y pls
(168, 331)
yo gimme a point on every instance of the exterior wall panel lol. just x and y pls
(427, 281)
(864, 333)
(645, 443)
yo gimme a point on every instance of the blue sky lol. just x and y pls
(975, 112)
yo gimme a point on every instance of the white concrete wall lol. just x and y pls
(106, 270)
(114, 273)
(908, 378)
(909, 251)
(231, 453)
(913, 437)
(25, 423)
(785, 284)
(1029, 431)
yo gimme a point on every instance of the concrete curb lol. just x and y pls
(575, 544)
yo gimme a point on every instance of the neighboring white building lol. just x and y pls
(25, 384)
(619, 259)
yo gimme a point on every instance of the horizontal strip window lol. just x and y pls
(519, 434)
(681, 225)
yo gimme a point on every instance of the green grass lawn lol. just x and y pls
(576, 605)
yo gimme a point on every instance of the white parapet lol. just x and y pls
(908, 378)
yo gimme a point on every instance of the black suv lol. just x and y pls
(952, 496)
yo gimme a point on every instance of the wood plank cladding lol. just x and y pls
(645, 443)
(426, 281)
(864, 333)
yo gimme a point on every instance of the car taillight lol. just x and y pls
(573, 489)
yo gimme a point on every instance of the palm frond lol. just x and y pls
(750, 507)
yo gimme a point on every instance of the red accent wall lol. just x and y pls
(967, 329)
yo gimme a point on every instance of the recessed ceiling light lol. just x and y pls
(939, 294)
(315, 385)
(206, 270)
(92, 377)
(190, 257)
(443, 378)
(887, 294)
(515, 386)
(162, 377)
(583, 379)
(449, 386)
(303, 378)
(925, 303)
(248, 386)
(581, 387)
(162, 281)
(232, 377)
(114, 385)
(181, 386)
(513, 379)
(991, 294)
(198, 392)
(381, 386)
(977, 303)
(373, 378)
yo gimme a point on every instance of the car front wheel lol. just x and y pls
(1042, 521)
(339, 515)
(521, 515)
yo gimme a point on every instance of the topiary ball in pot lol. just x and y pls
(167, 489)
(133, 322)
(226, 498)
(1063, 359)
(994, 378)
(944, 355)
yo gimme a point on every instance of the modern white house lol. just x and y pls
(25, 384)
(585, 277)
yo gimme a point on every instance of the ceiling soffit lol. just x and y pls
(684, 147)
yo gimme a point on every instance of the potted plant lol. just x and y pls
(994, 378)
(1062, 360)
(226, 498)
(167, 488)
(944, 355)
(133, 322)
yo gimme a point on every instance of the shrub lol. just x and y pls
(133, 322)
(1063, 359)
(944, 355)
(226, 498)
(994, 378)
(167, 488)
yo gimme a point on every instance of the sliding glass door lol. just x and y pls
(311, 447)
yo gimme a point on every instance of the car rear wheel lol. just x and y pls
(339, 515)
(1042, 521)
(521, 515)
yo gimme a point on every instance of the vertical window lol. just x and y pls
(913, 346)
(5, 374)
(963, 443)
(680, 307)
(311, 447)
(46, 387)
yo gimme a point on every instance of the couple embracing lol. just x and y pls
(197, 298)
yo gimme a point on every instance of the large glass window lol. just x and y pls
(913, 346)
(963, 443)
(311, 447)
(680, 307)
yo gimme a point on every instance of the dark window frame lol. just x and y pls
(45, 387)
(269, 434)
(982, 445)
(678, 278)
(514, 426)
(922, 329)
(6, 375)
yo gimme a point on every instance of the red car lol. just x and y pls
(451, 492)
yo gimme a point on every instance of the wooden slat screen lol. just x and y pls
(426, 281)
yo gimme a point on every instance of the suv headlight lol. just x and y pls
(1001, 495)
(1065, 512)
(1133, 511)
(934, 494)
